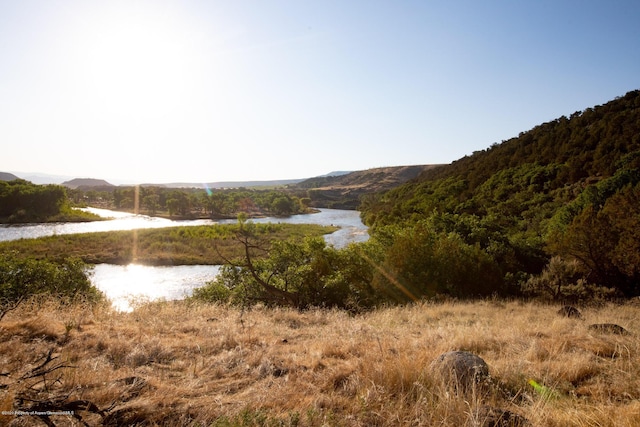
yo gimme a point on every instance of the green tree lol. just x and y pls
(623, 213)
(119, 195)
(180, 201)
(564, 281)
(217, 204)
(152, 203)
(604, 237)
(589, 238)
(299, 274)
(282, 205)
(422, 262)
(23, 201)
(173, 205)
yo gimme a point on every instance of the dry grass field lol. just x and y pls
(177, 363)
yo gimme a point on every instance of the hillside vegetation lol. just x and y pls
(561, 200)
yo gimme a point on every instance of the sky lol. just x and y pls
(200, 91)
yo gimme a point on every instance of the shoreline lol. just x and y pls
(192, 217)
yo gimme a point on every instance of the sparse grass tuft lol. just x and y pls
(188, 364)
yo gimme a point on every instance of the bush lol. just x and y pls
(21, 278)
(309, 272)
(215, 290)
(423, 262)
(565, 281)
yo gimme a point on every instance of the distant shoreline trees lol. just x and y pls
(191, 203)
(22, 202)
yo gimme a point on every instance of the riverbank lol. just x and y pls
(254, 214)
(187, 245)
(187, 365)
(69, 215)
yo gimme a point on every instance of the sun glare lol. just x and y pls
(139, 64)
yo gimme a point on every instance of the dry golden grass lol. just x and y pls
(183, 364)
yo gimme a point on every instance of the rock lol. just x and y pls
(461, 370)
(608, 328)
(496, 417)
(570, 311)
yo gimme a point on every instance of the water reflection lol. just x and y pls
(130, 285)
(352, 228)
(117, 221)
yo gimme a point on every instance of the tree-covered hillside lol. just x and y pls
(556, 209)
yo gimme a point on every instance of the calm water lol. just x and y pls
(117, 221)
(352, 229)
(129, 285)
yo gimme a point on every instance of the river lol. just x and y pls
(132, 284)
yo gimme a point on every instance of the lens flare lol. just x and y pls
(390, 277)
(136, 210)
(544, 391)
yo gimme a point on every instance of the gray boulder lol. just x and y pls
(608, 328)
(569, 311)
(461, 370)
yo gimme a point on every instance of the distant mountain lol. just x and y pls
(378, 179)
(86, 183)
(337, 173)
(229, 184)
(6, 176)
(344, 190)
(42, 178)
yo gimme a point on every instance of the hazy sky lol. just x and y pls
(200, 91)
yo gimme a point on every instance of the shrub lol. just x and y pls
(21, 278)
(213, 291)
(564, 281)
(309, 273)
(423, 262)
